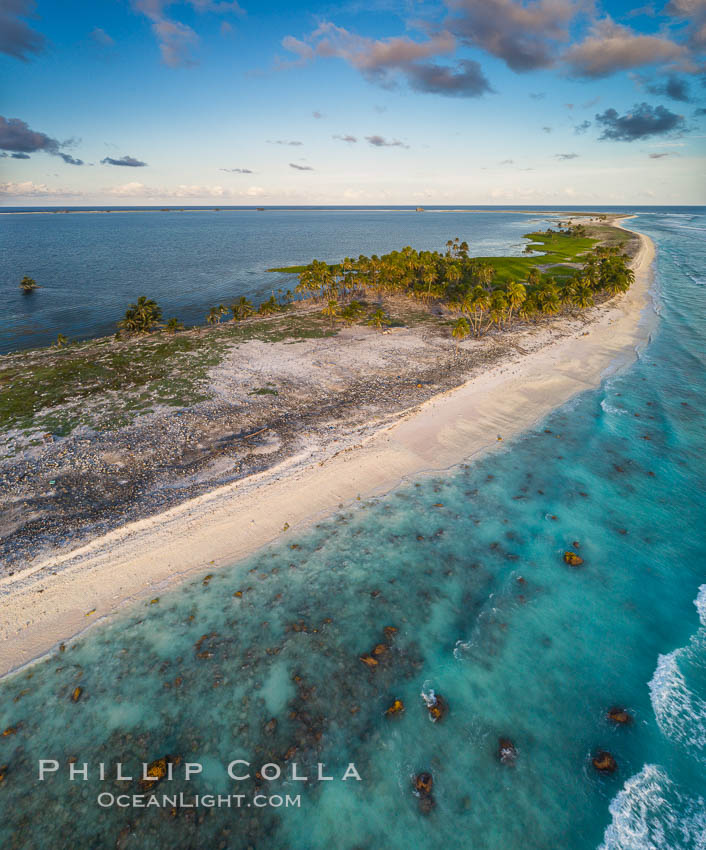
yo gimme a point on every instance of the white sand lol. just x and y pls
(59, 597)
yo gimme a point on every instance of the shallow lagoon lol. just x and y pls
(468, 568)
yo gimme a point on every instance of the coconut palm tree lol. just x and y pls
(484, 273)
(28, 284)
(453, 273)
(347, 274)
(214, 316)
(461, 329)
(615, 276)
(565, 291)
(242, 309)
(428, 277)
(379, 320)
(61, 341)
(173, 325)
(481, 305)
(582, 295)
(142, 316)
(270, 306)
(331, 310)
(529, 307)
(548, 299)
(498, 308)
(352, 312)
(516, 295)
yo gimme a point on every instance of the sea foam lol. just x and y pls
(650, 813)
(680, 713)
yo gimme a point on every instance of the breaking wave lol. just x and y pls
(680, 713)
(651, 813)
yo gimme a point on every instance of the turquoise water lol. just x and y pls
(468, 568)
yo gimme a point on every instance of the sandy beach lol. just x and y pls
(58, 597)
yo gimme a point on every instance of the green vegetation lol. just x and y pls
(28, 284)
(215, 314)
(288, 269)
(485, 291)
(141, 317)
(173, 325)
(379, 320)
(242, 309)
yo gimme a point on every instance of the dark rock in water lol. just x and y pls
(76, 693)
(397, 707)
(604, 762)
(507, 752)
(572, 559)
(423, 784)
(576, 544)
(3, 772)
(437, 707)
(620, 716)
(271, 726)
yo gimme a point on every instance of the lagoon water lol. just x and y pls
(467, 566)
(91, 265)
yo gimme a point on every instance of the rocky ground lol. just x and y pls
(268, 402)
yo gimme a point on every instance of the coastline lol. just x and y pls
(59, 597)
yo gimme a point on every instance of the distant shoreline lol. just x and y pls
(57, 597)
(567, 211)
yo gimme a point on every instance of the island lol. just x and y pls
(136, 459)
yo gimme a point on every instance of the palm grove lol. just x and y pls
(479, 293)
(477, 290)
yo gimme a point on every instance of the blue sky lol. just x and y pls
(456, 101)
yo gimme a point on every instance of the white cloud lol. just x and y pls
(30, 189)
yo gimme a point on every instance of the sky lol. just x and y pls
(257, 102)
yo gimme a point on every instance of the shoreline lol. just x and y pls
(59, 597)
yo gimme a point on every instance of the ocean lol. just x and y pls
(261, 660)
